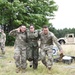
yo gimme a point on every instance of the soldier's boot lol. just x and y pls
(18, 70)
(3, 52)
(23, 70)
(49, 68)
(35, 64)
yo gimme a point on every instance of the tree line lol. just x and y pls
(62, 32)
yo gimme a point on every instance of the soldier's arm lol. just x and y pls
(4, 37)
(54, 38)
(13, 32)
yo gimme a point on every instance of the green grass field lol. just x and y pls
(7, 66)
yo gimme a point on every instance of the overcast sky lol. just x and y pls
(65, 16)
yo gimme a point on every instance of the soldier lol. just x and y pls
(47, 38)
(20, 48)
(32, 49)
(2, 41)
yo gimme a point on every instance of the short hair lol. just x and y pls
(31, 25)
(45, 26)
(22, 25)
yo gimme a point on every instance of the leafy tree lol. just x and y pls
(16, 12)
(63, 32)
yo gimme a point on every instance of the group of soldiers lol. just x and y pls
(27, 47)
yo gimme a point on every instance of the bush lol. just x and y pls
(9, 40)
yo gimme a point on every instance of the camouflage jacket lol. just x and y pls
(32, 36)
(20, 38)
(48, 40)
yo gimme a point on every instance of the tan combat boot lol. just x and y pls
(18, 70)
(49, 67)
(49, 70)
(23, 70)
(3, 52)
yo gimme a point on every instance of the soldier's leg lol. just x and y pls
(29, 53)
(17, 59)
(35, 57)
(3, 48)
(50, 59)
(23, 59)
(43, 57)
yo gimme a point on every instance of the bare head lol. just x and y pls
(23, 28)
(45, 29)
(32, 28)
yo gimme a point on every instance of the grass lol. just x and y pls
(7, 65)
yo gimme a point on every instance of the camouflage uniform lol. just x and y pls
(46, 48)
(32, 49)
(20, 48)
(2, 41)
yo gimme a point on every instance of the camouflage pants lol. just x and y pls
(32, 54)
(2, 46)
(20, 57)
(32, 51)
(46, 56)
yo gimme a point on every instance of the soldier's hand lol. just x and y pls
(61, 56)
(18, 29)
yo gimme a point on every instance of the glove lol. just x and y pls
(61, 56)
